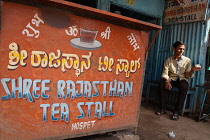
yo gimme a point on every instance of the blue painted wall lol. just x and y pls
(152, 8)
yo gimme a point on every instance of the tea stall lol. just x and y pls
(69, 70)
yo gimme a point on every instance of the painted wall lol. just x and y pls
(153, 8)
(63, 75)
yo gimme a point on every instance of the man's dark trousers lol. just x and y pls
(183, 88)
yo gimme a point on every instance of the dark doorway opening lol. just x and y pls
(90, 3)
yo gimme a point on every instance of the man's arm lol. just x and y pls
(190, 71)
(165, 75)
(194, 68)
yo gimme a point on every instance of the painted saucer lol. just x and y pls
(76, 43)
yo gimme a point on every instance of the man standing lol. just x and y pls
(176, 73)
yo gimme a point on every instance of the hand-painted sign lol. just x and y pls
(131, 2)
(66, 75)
(192, 11)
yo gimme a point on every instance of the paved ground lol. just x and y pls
(153, 127)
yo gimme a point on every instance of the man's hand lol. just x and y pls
(168, 85)
(196, 68)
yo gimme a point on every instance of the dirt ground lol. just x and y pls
(153, 127)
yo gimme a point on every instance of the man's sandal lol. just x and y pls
(160, 112)
(175, 117)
